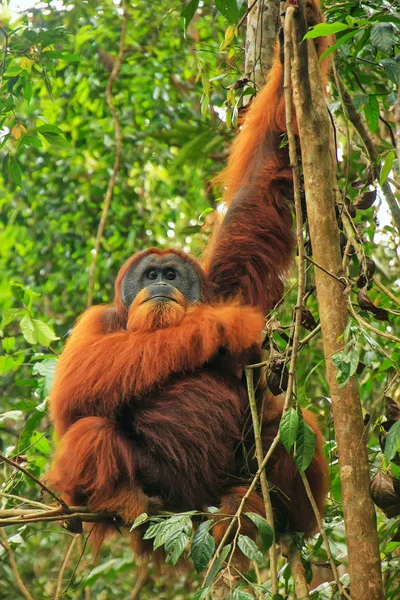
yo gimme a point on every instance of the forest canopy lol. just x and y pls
(114, 119)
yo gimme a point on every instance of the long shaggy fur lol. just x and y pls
(149, 402)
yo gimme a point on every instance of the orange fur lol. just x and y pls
(150, 315)
(149, 402)
(98, 371)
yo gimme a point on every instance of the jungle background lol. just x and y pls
(177, 97)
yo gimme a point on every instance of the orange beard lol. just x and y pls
(150, 315)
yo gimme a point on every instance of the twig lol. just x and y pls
(5, 50)
(20, 583)
(35, 479)
(355, 118)
(385, 290)
(287, 86)
(118, 153)
(364, 323)
(60, 577)
(308, 337)
(24, 500)
(397, 123)
(339, 279)
(247, 11)
(273, 559)
(324, 537)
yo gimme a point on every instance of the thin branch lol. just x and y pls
(355, 118)
(245, 15)
(339, 279)
(397, 123)
(24, 500)
(385, 290)
(20, 583)
(287, 86)
(273, 559)
(60, 577)
(5, 51)
(324, 537)
(308, 337)
(35, 479)
(364, 323)
(118, 153)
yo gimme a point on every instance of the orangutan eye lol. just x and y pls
(170, 274)
(151, 274)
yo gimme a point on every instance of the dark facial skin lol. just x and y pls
(161, 275)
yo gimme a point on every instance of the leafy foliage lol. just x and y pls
(177, 98)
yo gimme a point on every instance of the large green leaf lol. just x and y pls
(249, 549)
(288, 428)
(305, 446)
(203, 546)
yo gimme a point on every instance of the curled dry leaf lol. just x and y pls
(277, 377)
(307, 319)
(365, 200)
(385, 495)
(366, 272)
(358, 184)
(366, 304)
(392, 410)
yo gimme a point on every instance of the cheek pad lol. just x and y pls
(129, 290)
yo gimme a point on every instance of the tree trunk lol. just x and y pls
(319, 181)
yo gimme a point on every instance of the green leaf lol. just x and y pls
(11, 314)
(7, 363)
(53, 135)
(288, 428)
(229, 9)
(28, 90)
(346, 363)
(175, 545)
(249, 548)
(154, 528)
(14, 170)
(371, 111)
(387, 167)
(188, 12)
(202, 593)
(323, 29)
(143, 518)
(391, 69)
(46, 368)
(203, 546)
(382, 37)
(342, 40)
(30, 140)
(50, 129)
(47, 84)
(36, 332)
(217, 566)
(8, 344)
(305, 446)
(264, 529)
(40, 443)
(17, 290)
(392, 443)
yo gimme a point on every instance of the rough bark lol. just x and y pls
(319, 181)
(262, 27)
